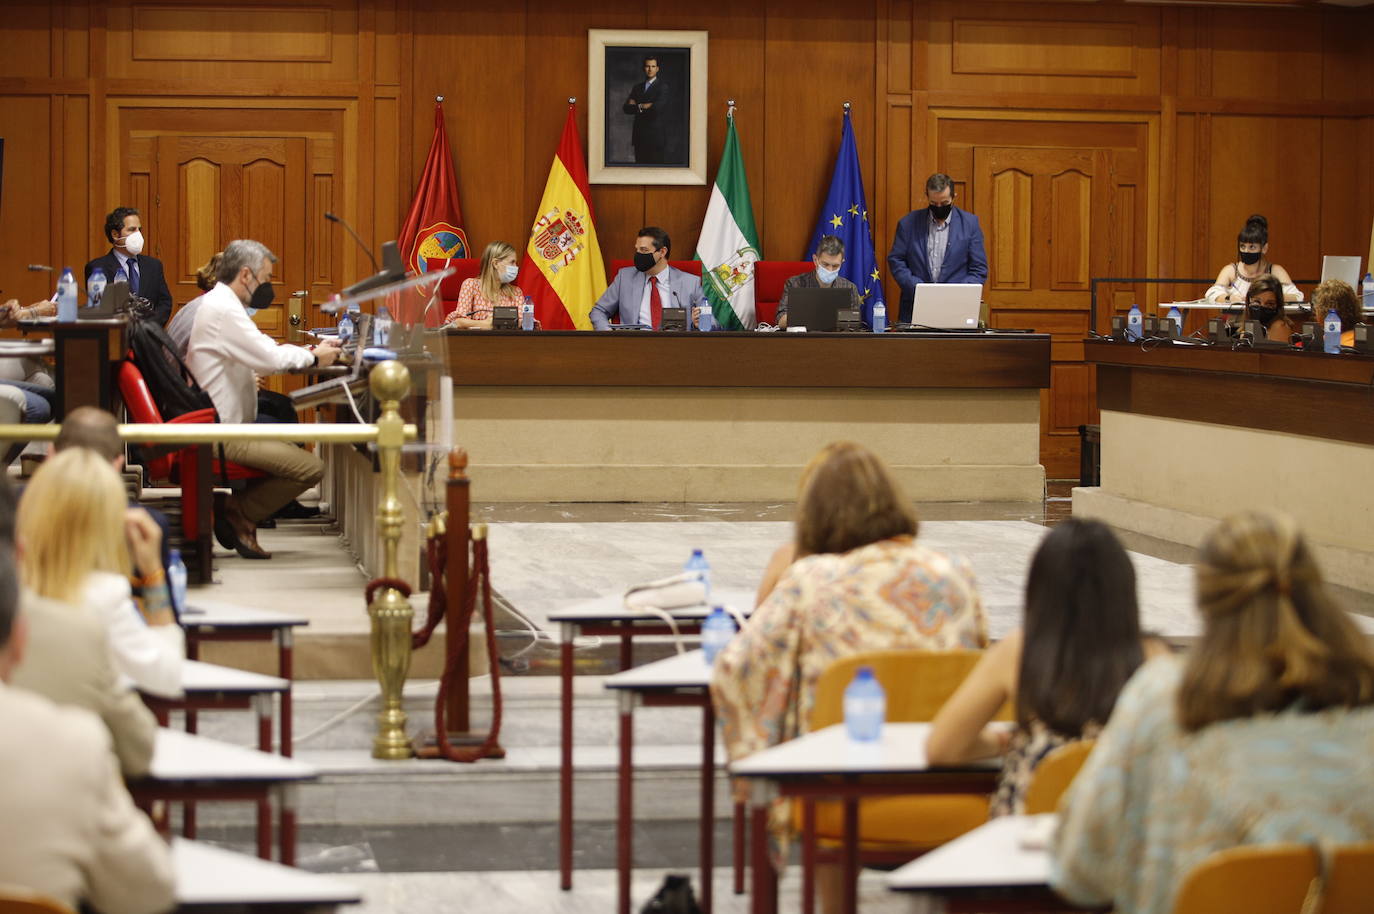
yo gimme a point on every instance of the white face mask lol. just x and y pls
(509, 272)
(134, 244)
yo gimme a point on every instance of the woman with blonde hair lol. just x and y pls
(1263, 733)
(1337, 295)
(78, 542)
(495, 285)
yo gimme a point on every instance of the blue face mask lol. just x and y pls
(826, 276)
(250, 311)
(509, 272)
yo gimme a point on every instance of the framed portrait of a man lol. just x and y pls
(646, 107)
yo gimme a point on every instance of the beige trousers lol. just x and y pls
(291, 470)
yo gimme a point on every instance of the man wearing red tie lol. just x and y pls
(638, 294)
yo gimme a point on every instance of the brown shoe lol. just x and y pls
(245, 532)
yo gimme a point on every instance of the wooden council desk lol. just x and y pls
(636, 416)
(1191, 434)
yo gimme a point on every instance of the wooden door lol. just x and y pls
(213, 189)
(1052, 216)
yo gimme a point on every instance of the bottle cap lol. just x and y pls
(864, 672)
(174, 555)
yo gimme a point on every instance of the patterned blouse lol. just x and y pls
(474, 305)
(891, 594)
(1026, 751)
(1152, 801)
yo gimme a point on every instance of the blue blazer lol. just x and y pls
(622, 298)
(965, 260)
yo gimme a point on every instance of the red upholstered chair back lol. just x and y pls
(465, 268)
(769, 276)
(138, 400)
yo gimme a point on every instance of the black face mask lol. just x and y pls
(644, 262)
(1265, 316)
(942, 211)
(1249, 258)
(262, 296)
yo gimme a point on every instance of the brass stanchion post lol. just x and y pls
(390, 610)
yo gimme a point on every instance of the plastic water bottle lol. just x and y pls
(705, 318)
(381, 327)
(865, 707)
(95, 288)
(1135, 323)
(345, 326)
(176, 580)
(716, 632)
(1176, 316)
(1368, 290)
(879, 317)
(1331, 332)
(527, 313)
(698, 564)
(66, 297)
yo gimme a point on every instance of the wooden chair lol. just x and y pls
(894, 829)
(1053, 776)
(17, 900)
(1276, 879)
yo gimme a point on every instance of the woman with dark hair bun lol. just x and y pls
(1252, 262)
(1079, 643)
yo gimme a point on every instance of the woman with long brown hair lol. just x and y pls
(1264, 733)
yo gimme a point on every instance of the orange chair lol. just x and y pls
(1281, 879)
(1054, 774)
(179, 466)
(917, 683)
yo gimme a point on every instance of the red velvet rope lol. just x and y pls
(436, 550)
(377, 584)
(481, 576)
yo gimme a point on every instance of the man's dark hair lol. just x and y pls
(9, 594)
(90, 428)
(649, 57)
(938, 182)
(830, 244)
(661, 241)
(114, 222)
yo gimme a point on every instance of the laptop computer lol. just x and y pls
(1341, 267)
(817, 310)
(947, 305)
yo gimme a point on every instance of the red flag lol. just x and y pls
(433, 227)
(562, 270)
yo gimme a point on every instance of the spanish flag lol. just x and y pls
(562, 270)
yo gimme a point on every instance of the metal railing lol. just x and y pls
(1154, 281)
(390, 612)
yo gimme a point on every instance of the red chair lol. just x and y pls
(769, 276)
(182, 466)
(466, 268)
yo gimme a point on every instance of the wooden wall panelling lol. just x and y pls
(28, 216)
(1268, 56)
(29, 28)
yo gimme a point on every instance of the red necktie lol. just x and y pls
(655, 304)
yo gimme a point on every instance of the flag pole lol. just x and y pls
(730, 108)
(438, 99)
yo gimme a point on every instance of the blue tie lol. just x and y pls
(133, 275)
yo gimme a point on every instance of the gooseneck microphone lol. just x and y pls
(366, 250)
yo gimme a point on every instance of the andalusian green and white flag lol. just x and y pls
(729, 244)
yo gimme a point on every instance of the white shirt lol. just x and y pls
(665, 299)
(227, 348)
(182, 323)
(150, 656)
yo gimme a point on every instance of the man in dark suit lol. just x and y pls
(940, 243)
(646, 105)
(124, 229)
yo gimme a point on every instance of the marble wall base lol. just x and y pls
(742, 444)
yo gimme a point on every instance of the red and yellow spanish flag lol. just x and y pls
(562, 270)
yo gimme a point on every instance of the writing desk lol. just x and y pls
(683, 680)
(210, 620)
(827, 764)
(608, 616)
(190, 768)
(986, 870)
(211, 878)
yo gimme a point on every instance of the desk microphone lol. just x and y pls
(678, 301)
(366, 250)
(39, 267)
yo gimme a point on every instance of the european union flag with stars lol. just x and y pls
(845, 215)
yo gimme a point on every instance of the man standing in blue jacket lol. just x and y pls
(940, 243)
